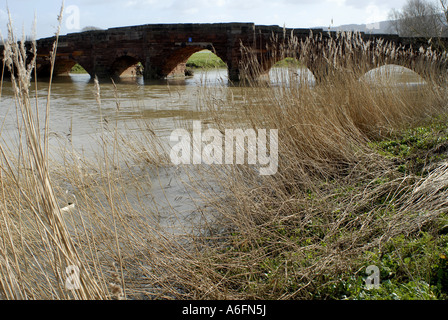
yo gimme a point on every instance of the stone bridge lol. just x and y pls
(163, 49)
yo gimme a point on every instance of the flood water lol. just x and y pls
(74, 110)
(77, 119)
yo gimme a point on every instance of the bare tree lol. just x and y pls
(420, 18)
(394, 18)
(444, 6)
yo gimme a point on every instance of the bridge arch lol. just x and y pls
(62, 67)
(126, 65)
(395, 73)
(290, 70)
(428, 69)
(175, 64)
(278, 68)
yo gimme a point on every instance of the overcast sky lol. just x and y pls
(114, 13)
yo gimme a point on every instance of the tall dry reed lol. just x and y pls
(78, 227)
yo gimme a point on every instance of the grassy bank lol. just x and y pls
(288, 63)
(205, 60)
(208, 60)
(362, 181)
(78, 69)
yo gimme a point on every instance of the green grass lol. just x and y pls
(200, 60)
(415, 148)
(288, 63)
(78, 69)
(205, 59)
(411, 267)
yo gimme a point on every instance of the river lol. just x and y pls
(78, 119)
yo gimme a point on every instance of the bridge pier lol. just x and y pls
(100, 73)
(149, 72)
(234, 74)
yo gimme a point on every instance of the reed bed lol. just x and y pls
(310, 230)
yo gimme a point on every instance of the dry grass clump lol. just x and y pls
(304, 232)
(29, 199)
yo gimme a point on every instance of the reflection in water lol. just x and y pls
(393, 74)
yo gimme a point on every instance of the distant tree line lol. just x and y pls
(420, 18)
